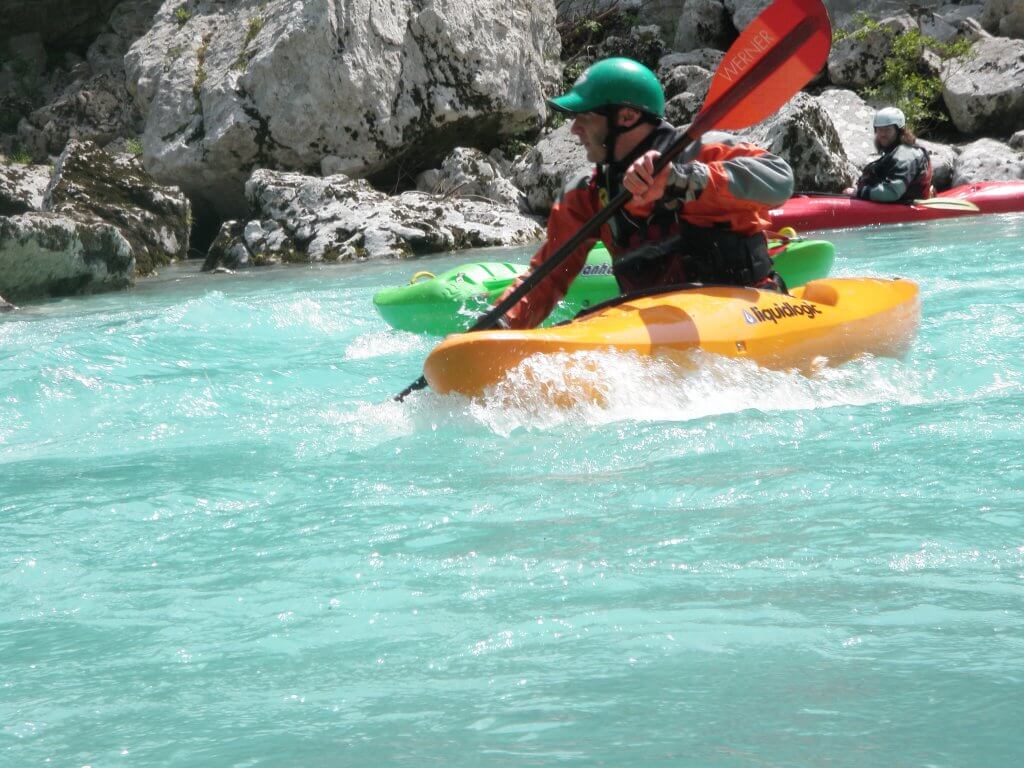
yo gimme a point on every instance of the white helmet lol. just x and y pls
(890, 116)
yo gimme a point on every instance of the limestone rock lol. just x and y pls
(852, 118)
(946, 24)
(802, 133)
(307, 218)
(1004, 18)
(705, 58)
(45, 254)
(686, 78)
(685, 88)
(22, 188)
(228, 250)
(389, 87)
(857, 61)
(662, 13)
(470, 173)
(155, 220)
(641, 43)
(944, 160)
(744, 11)
(971, 30)
(988, 160)
(704, 24)
(984, 94)
(542, 172)
(84, 99)
(96, 108)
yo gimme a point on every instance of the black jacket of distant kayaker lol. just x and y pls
(718, 237)
(902, 174)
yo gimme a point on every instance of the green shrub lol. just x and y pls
(134, 147)
(182, 15)
(197, 85)
(253, 29)
(908, 83)
(863, 25)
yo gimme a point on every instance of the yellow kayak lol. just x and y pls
(836, 319)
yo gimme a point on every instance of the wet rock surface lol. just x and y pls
(301, 218)
(45, 254)
(116, 189)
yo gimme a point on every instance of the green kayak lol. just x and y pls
(452, 301)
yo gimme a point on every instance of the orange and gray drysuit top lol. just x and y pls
(718, 237)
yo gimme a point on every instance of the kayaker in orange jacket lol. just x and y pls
(903, 172)
(701, 220)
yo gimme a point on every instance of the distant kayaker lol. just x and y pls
(903, 172)
(701, 220)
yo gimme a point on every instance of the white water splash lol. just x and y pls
(543, 393)
(385, 343)
(629, 387)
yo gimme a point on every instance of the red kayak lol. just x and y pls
(805, 212)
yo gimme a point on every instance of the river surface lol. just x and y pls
(222, 544)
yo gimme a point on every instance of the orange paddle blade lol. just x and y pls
(802, 28)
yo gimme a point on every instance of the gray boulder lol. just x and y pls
(704, 24)
(686, 86)
(642, 43)
(988, 160)
(22, 188)
(312, 219)
(1017, 140)
(705, 58)
(663, 13)
(89, 183)
(85, 99)
(542, 172)
(802, 133)
(944, 159)
(985, 93)
(744, 11)
(95, 108)
(386, 88)
(947, 23)
(1004, 17)
(43, 254)
(852, 118)
(470, 173)
(858, 60)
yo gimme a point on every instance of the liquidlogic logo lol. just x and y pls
(777, 312)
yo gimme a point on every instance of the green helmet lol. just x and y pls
(613, 83)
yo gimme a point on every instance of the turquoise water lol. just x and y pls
(222, 544)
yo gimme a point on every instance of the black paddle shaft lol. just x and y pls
(705, 121)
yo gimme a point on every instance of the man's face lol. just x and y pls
(591, 129)
(885, 137)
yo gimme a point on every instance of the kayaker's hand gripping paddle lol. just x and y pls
(777, 55)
